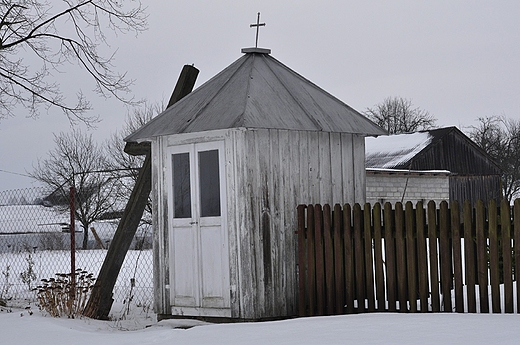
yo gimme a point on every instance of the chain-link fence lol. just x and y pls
(35, 242)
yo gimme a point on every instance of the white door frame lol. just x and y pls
(199, 261)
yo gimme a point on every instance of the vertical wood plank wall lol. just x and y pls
(408, 258)
(275, 170)
(268, 172)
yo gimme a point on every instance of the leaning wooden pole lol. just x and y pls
(100, 301)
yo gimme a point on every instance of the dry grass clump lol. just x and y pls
(61, 297)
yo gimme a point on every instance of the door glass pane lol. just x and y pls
(181, 185)
(209, 183)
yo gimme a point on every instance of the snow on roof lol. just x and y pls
(394, 150)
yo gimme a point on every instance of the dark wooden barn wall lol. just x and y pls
(473, 188)
(456, 154)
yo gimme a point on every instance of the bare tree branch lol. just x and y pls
(69, 32)
(77, 160)
(398, 115)
(500, 138)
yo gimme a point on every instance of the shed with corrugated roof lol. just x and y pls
(230, 163)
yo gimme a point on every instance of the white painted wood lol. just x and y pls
(199, 260)
(314, 168)
(359, 168)
(325, 173)
(336, 168)
(267, 174)
(234, 214)
(347, 154)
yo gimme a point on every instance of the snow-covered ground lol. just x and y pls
(377, 328)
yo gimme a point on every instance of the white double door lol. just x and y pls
(199, 258)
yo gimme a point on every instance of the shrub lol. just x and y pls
(59, 297)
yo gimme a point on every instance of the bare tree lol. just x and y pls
(126, 167)
(398, 115)
(500, 138)
(37, 39)
(77, 160)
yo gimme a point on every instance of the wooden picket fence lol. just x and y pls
(411, 259)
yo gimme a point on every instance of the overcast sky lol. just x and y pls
(456, 59)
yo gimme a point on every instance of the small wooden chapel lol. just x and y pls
(231, 161)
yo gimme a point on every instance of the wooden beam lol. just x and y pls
(100, 301)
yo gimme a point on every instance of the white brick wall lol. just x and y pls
(384, 187)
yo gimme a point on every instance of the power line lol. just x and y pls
(14, 173)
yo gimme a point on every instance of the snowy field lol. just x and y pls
(34, 243)
(382, 328)
(137, 266)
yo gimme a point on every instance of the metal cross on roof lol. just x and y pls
(257, 25)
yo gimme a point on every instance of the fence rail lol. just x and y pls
(408, 259)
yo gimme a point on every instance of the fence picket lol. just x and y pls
(432, 246)
(422, 260)
(359, 258)
(481, 257)
(410, 253)
(400, 251)
(493, 257)
(391, 273)
(339, 278)
(469, 257)
(516, 235)
(329, 261)
(505, 216)
(445, 256)
(378, 258)
(320, 260)
(457, 258)
(302, 236)
(311, 261)
(369, 274)
(348, 244)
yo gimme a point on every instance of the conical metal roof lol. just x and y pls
(257, 91)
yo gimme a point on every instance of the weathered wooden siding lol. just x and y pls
(275, 170)
(457, 154)
(268, 173)
(473, 188)
(160, 238)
